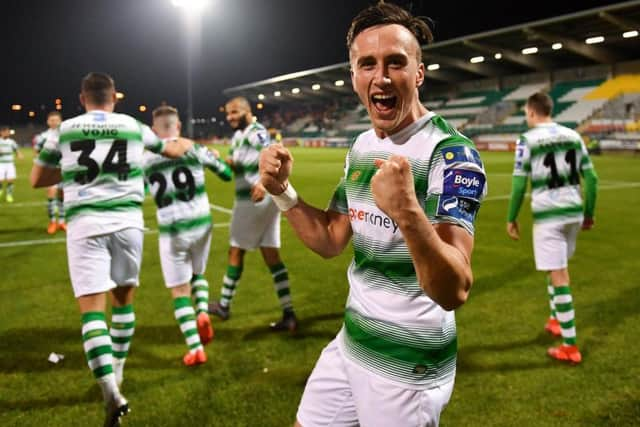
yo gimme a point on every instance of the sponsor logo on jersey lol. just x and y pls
(461, 154)
(463, 183)
(458, 207)
(375, 219)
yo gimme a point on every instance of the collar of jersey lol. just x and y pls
(403, 135)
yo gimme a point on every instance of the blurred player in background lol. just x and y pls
(554, 157)
(98, 156)
(408, 200)
(256, 219)
(184, 222)
(55, 195)
(8, 147)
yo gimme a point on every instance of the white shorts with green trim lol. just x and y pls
(7, 171)
(184, 254)
(340, 393)
(255, 225)
(98, 264)
(554, 244)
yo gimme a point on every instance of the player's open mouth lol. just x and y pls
(383, 103)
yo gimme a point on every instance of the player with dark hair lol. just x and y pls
(55, 205)
(98, 157)
(408, 200)
(8, 147)
(554, 157)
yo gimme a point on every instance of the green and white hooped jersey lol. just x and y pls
(554, 157)
(178, 188)
(245, 152)
(7, 149)
(41, 138)
(391, 326)
(100, 156)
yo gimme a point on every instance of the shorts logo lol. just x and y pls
(463, 183)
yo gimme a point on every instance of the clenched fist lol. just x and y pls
(392, 186)
(276, 163)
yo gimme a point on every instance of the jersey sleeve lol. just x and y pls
(38, 142)
(338, 201)
(150, 140)
(50, 155)
(585, 159)
(14, 145)
(456, 183)
(522, 163)
(211, 162)
(259, 138)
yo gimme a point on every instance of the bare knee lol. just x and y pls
(122, 295)
(236, 256)
(271, 256)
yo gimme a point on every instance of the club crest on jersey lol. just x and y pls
(355, 175)
(463, 183)
(462, 154)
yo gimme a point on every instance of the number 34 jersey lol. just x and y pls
(554, 157)
(100, 157)
(178, 188)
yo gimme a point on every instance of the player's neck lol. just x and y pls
(95, 107)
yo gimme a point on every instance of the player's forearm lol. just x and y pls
(316, 230)
(591, 191)
(443, 271)
(518, 190)
(44, 176)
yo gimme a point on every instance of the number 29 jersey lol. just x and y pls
(554, 157)
(100, 157)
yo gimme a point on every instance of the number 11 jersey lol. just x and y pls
(100, 157)
(554, 157)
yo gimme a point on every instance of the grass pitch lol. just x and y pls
(255, 378)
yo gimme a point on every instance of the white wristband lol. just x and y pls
(287, 199)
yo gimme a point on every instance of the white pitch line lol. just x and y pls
(220, 209)
(600, 187)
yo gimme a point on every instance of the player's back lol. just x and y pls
(556, 156)
(178, 188)
(100, 156)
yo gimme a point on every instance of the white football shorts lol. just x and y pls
(340, 393)
(554, 244)
(7, 171)
(98, 264)
(183, 255)
(255, 225)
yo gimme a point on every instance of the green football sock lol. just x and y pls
(186, 317)
(565, 314)
(229, 284)
(123, 323)
(280, 276)
(200, 293)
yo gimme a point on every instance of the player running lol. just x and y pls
(7, 166)
(184, 221)
(408, 200)
(98, 157)
(255, 219)
(54, 193)
(554, 157)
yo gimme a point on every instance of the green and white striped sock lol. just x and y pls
(565, 314)
(60, 210)
(51, 209)
(551, 293)
(123, 324)
(186, 317)
(280, 276)
(97, 347)
(200, 293)
(229, 283)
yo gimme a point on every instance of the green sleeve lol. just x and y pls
(590, 190)
(518, 189)
(221, 169)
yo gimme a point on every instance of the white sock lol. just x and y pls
(118, 370)
(109, 387)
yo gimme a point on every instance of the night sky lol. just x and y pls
(49, 45)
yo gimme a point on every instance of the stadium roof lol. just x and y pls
(604, 35)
